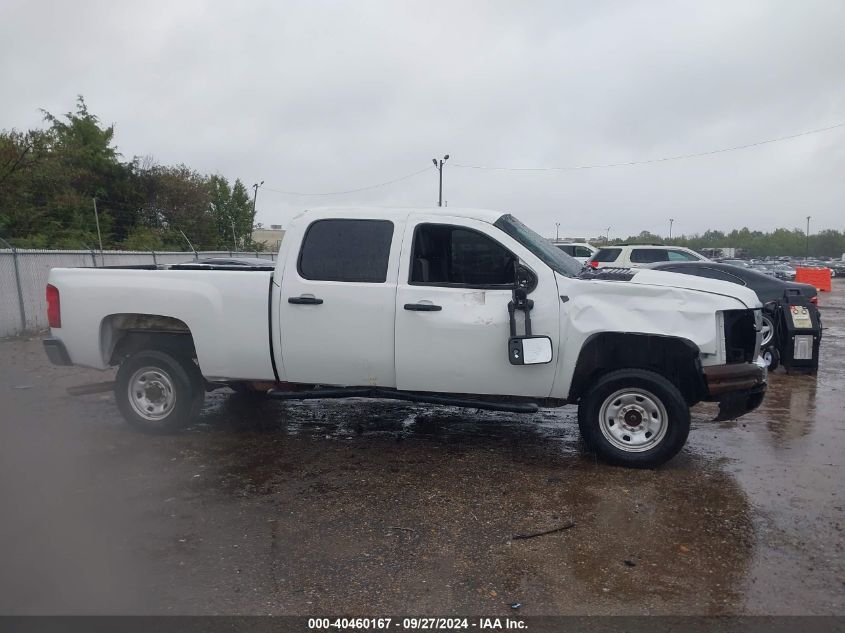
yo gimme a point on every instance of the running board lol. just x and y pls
(391, 394)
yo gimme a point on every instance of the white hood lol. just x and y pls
(648, 277)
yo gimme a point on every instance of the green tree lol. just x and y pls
(49, 179)
(177, 201)
(241, 210)
(220, 208)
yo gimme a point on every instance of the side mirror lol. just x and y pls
(525, 278)
(529, 350)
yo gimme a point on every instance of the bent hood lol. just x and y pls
(648, 277)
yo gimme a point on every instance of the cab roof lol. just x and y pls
(484, 215)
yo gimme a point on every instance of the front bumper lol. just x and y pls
(56, 351)
(738, 388)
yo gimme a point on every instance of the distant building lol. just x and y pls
(270, 237)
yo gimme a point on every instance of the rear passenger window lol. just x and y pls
(346, 250)
(582, 251)
(455, 256)
(607, 255)
(567, 248)
(648, 255)
(682, 256)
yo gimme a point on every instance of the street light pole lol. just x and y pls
(671, 221)
(807, 252)
(607, 236)
(439, 167)
(557, 231)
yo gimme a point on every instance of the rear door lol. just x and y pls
(643, 256)
(452, 324)
(337, 303)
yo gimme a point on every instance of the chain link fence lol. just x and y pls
(24, 272)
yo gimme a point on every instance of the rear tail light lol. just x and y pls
(814, 300)
(594, 264)
(54, 309)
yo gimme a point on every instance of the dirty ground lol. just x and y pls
(375, 507)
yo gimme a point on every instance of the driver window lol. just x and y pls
(449, 255)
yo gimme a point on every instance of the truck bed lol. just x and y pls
(226, 311)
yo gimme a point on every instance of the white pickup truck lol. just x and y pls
(465, 307)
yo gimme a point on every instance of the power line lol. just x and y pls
(657, 160)
(337, 193)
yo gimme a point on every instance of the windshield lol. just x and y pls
(553, 257)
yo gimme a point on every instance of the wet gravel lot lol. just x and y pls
(368, 507)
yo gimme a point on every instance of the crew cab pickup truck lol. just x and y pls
(466, 308)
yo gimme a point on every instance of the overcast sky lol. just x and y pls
(327, 96)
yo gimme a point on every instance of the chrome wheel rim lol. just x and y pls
(767, 329)
(151, 393)
(633, 420)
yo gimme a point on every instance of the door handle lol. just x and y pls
(423, 307)
(307, 301)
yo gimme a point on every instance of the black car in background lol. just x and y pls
(769, 289)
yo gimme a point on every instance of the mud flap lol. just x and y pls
(737, 403)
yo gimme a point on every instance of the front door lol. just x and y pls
(337, 303)
(452, 324)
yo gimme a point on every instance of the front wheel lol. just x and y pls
(634, 418)
(158, 392)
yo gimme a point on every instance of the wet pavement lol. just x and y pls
(367, 507)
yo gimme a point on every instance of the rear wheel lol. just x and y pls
(635, 418)
(158, 391)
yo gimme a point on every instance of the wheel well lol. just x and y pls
(124, 334)
(676, 359)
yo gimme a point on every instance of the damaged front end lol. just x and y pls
(739, 385)
(738, 388)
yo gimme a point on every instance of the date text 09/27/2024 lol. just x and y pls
(417, 623)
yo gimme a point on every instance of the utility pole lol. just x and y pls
(254, 198)
(807, 253)
(439, 167)
(255, 195)
(607, 236)
(99, 236)
(234, 239)
(671, 221)
(557, 231)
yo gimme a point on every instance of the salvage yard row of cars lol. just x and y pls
(636, 255)
(458, 307)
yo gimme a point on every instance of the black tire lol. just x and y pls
(772, 357)
(640, 405)
(173, 395)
